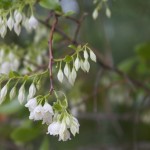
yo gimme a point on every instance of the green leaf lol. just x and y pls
(68, 59)
(24, 134)
(64, 103)
(73, 47)
(13, 74)
(50, 4)
(69, 13)
(10, 108)
(57, 106)
(143, 50)
(45, 144)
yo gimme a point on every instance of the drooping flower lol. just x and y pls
(3, 93)
(86, 55)
(54, 128)
(86, 65)
(10, 23)
(21, 96)
(92, 56)
(66, 70)
(12, 92)
(32, 91)
(72, 76)
(31, 104)
(60, 75)
(3, 30)
(38, 113)
(47, 113)
(74, 127)
(64, 136)
(18, 16)
(17, 28)
(77, 64)
(33, 23)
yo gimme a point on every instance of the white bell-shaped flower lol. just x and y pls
(86, 65)
(86, 55)
(21, 96)
(32, 91)
(18, 16)
(3, 30)
(47, 118)
(64, 136)
(5, 67)
(17, 28)
(10, 23)
(38, 113)
(31, 104)
(74, 128)
(33, 23)
(54, 128)
(3, 93)
(48, 108)
(67, 70)
(92, 56)
(60, 75)
(77, 64)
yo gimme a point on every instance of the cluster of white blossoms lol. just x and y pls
(15, 21)
(59, 122)
(8, 61)
(79, 62)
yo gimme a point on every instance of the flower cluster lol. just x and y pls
(14, 20)
(8, 61)
(78, 62)
(59, 121)
(100, 4)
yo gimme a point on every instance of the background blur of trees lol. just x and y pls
(112, 101)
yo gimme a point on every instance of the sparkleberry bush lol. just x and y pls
(19, 73)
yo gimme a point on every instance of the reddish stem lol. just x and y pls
(51, 53)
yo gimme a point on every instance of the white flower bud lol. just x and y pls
(92, 56)
(86, 65)
(17, 16)
(3, 93)
(108, 12)
(82, 65)
(12, 93)
(77, 64)
(33, 23)
(60, 75)
(95, 14)
(21, 96)
(66, 70)
(86, 55)
(72, 76)
(32, 91)
(10, 23)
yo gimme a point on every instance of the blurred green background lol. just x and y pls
(113, 112)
